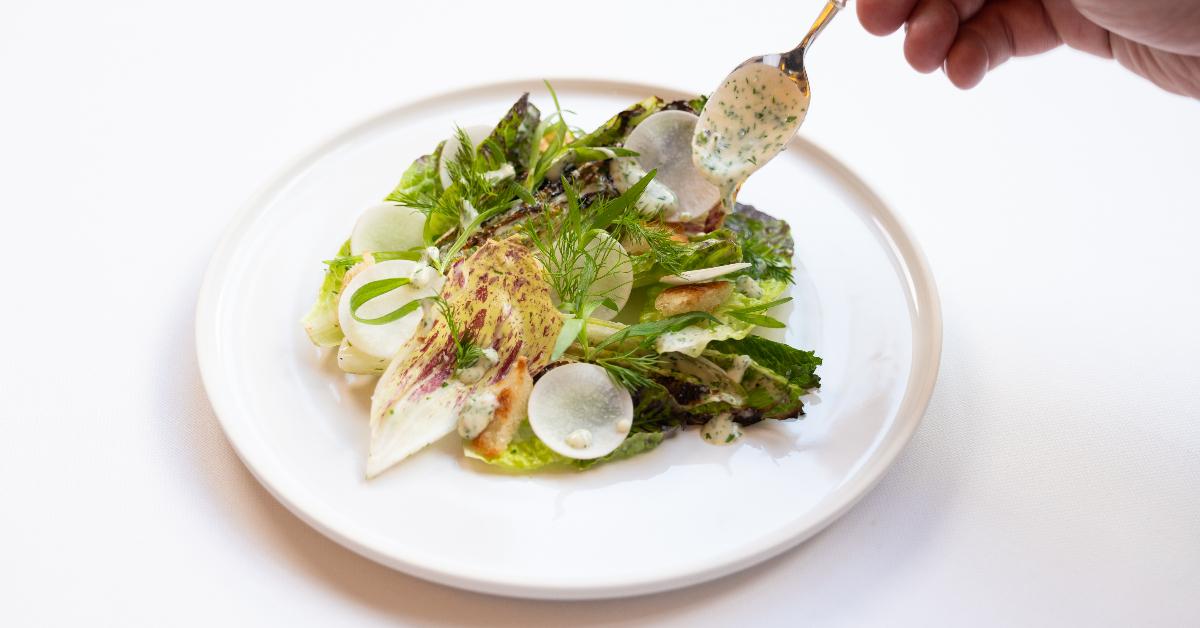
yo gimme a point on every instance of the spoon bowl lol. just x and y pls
(754, 113)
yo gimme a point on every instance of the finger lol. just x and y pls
(883, 17)
(1179, 74)
(967, 62)
(932, 27)
(1001, 30)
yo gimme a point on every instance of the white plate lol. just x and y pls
(684, 513)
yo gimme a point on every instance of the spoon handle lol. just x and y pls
(830, 10)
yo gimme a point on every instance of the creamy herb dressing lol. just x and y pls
(505, 171)
(746, 122)
(477, 414)
(737, 370)
(579, 439)
(427, 317)
(721, 429)
(701, 368)
(689, 341)
(657, 199)
(423, 275)
(476, 371)
(748, 286)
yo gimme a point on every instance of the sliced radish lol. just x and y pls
(664, 143)
(615, 277)
(477, 133)
(702, 275)
(387, 227)
(579, 412)
(383, 341)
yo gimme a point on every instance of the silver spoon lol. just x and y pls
(754, 113)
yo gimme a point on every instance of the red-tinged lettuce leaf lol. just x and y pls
(501, 301)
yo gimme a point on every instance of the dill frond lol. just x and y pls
(467, 352)
(631, 372)
(661, 246)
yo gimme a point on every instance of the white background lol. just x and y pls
(1056, 477)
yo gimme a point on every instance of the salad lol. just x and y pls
(558, 297)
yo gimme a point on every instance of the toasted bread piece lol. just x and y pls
(699, 297)
(367, 260)
(512, 397)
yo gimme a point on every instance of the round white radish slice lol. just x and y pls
(614, 277)
(663, 141)
(383, 341)
(614, 274)
(703, 275)
(477, 133)
(387, 227)
(579, 411)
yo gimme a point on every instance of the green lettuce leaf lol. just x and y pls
(634, 444)
(527, 452)
(693, 340)
(321, 322)
(421, 177)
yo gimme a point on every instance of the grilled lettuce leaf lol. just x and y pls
(794, 365)
(512, 139)
(766, 243)
(690, 391)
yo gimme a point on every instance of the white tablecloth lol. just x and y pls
(1053, 482)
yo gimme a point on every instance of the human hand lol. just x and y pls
(1158, 39)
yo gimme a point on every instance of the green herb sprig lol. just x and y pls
(754, 314)
(628, 355)
(474, 196)
(466, 351)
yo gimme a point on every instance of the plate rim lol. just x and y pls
(920, 292)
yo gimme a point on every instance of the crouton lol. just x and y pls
(367, 260)
(512, 397)
(702, 297)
